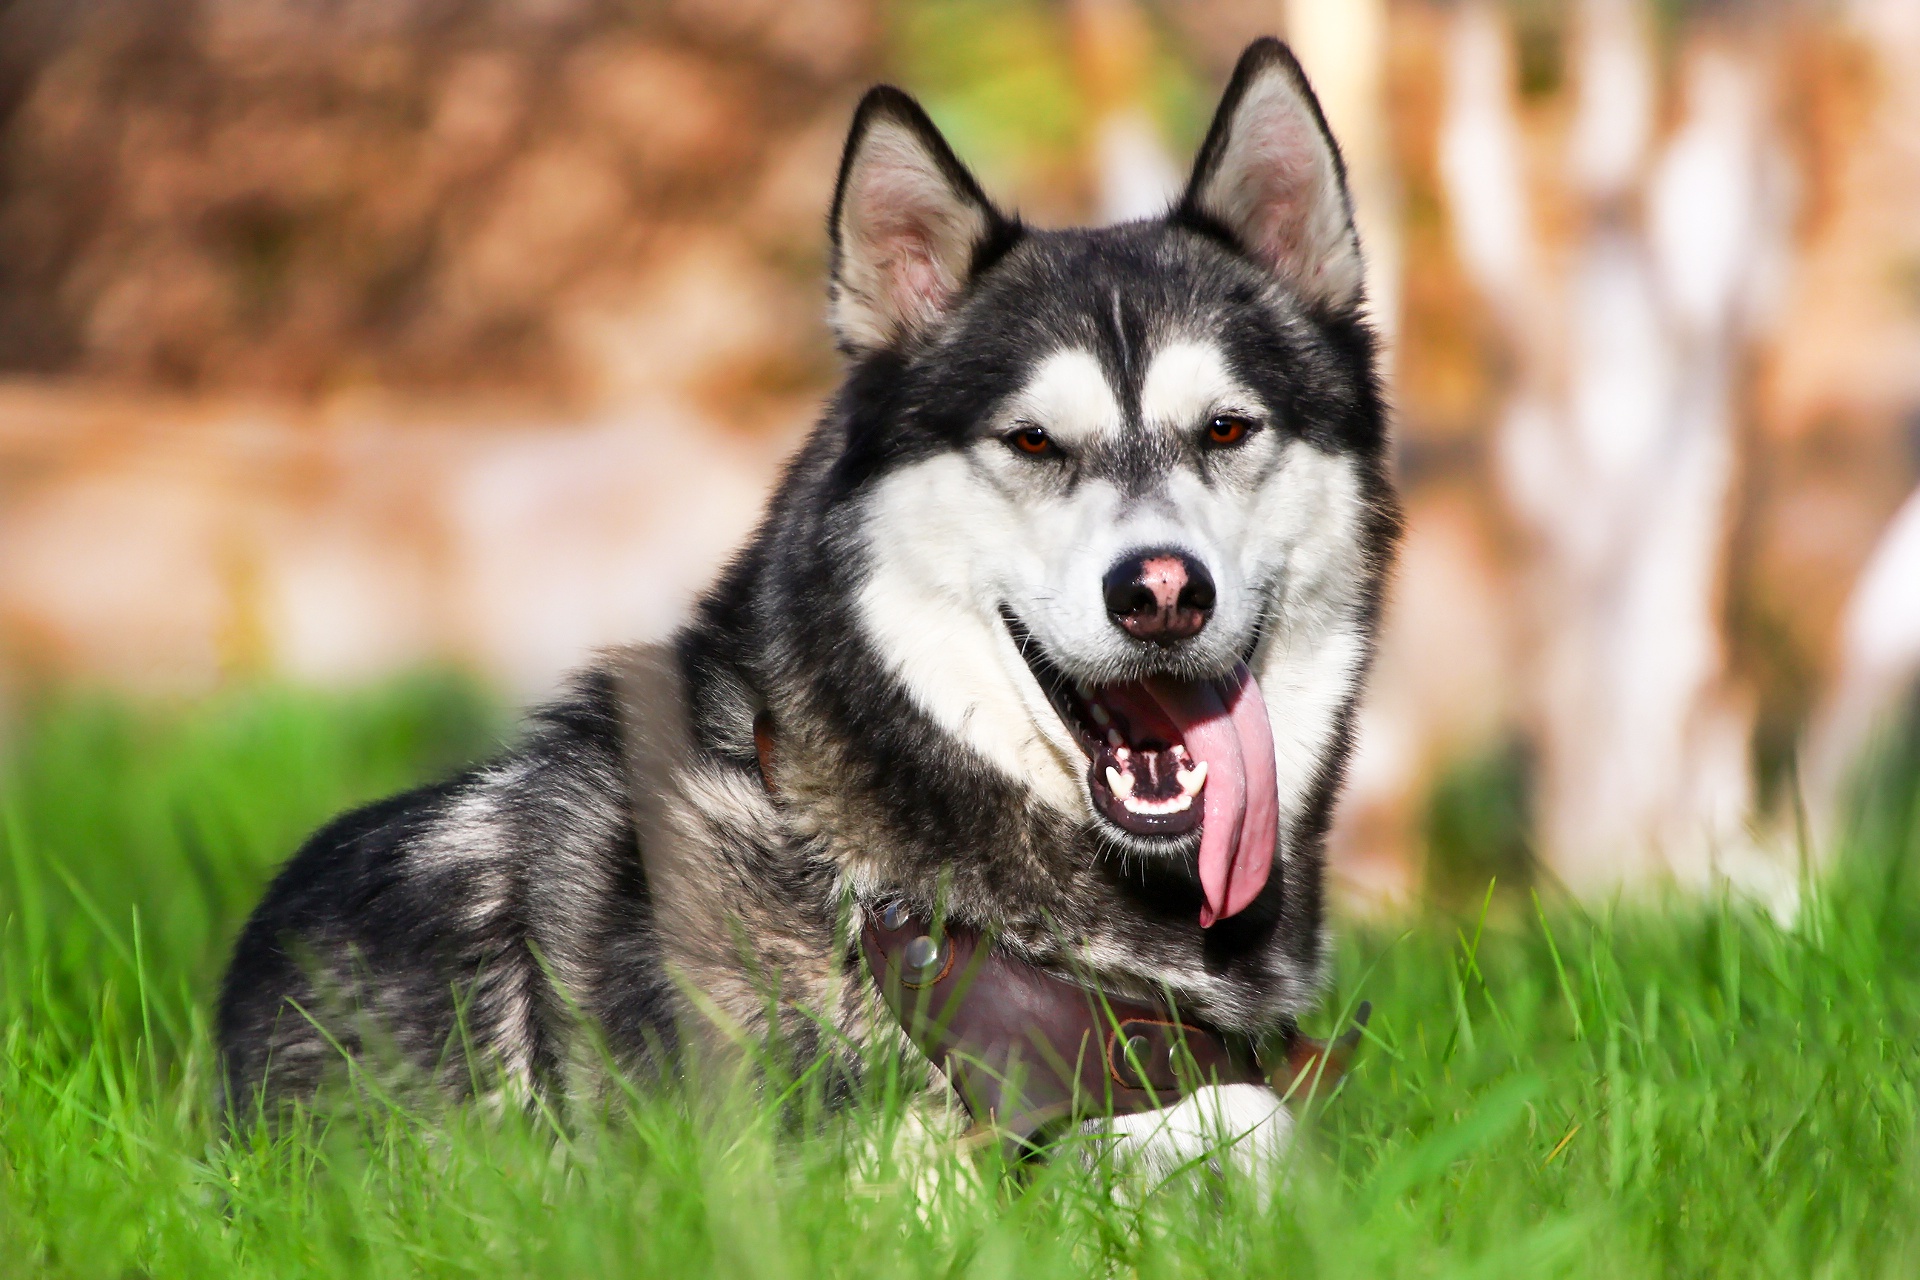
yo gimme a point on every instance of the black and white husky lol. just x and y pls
(1056, 623)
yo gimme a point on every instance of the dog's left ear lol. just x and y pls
(1270, 174)
(908, 222)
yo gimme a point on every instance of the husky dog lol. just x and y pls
(1055, 624)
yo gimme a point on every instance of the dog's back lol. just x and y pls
(408, 931)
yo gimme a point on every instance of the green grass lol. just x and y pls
(1680, 1089)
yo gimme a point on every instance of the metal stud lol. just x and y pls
(893, 915)
(921, 956)
(1137, 1046)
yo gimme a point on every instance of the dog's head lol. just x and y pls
(1115, 481)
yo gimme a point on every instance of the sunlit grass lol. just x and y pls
(1686, 1089)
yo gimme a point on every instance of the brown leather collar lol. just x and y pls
(1026, 1049)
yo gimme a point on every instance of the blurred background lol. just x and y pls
(345, 337)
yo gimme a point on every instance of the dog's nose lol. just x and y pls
(1160, 595)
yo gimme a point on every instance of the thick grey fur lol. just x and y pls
(506, 926)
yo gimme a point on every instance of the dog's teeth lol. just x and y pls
(1191, 780)
(1121, 753)
(1173, 804)
(1179, 753)
(1099, 714)
(1120, 783)
(1114, 740)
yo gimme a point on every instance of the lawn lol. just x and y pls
(1677, 1088)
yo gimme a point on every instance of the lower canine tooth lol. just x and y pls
(1120, 783)
(1191, 780)
(1100, 716)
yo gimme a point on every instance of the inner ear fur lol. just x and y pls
(909, 223)
(1270, 175)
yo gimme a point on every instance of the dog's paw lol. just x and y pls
(1243, 1126)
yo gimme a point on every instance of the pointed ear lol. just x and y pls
(908, 221)
(1271, 175)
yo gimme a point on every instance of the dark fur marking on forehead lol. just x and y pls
(1128, 381)
(1136, 464)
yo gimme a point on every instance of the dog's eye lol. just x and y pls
(1032, 440)
(1227, 429)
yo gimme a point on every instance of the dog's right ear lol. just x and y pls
(908, 222)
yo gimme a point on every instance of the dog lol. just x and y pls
(1053, 628)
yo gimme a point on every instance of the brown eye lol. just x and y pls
(1031, 440)
(1227, 429)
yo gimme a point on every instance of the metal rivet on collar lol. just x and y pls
(923, 962)
(921, 958)
(1137, 1046)
(893, 914)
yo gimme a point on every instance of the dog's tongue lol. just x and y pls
(1224, 723)
(1251, 861)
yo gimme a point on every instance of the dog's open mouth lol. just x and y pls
(1169, 756)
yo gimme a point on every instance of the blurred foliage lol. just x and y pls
(1477, 827)
(997, 76)
(1004, 79)
(110, 806)
(1886, 794)
(1540, 46)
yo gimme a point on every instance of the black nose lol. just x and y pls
(1159, 595)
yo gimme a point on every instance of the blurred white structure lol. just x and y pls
(1616, 448)
(1879, 661)
(1879, 666)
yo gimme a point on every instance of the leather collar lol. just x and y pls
(1027, 1049)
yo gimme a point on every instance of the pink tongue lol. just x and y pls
(1224, 723)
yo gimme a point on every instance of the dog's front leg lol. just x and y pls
(1243, 1125)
